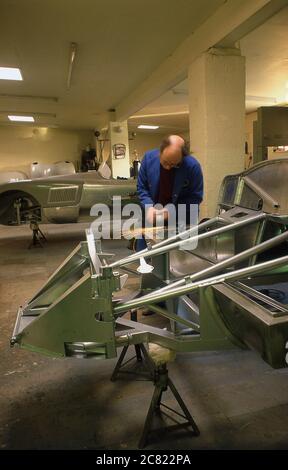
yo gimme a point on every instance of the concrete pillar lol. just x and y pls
(217, 118)
(119, 149)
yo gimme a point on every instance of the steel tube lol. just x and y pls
(261, 296)
(228, 262)
(179, 235)
(173, 316)
(169, 240)
(202, 236)
(260, 191)
(187, 288)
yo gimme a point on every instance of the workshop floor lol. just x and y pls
(237, 400)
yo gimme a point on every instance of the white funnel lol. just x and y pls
(144, 267)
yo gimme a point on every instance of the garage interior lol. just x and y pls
(214, 72)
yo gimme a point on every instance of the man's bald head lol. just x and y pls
(176, 140)
(172, 150)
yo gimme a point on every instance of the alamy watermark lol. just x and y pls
(121, 220)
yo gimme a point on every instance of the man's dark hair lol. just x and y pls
(166, 142)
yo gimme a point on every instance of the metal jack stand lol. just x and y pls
(162, 382)
(142, 359)
(37, 236)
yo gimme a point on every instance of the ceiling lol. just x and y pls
(266, 52)
(170, 111)
(119, 44)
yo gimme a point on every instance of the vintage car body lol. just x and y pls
(37, 170)
(60, 199)
(12, 176)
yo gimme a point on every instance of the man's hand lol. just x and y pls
(153, 214)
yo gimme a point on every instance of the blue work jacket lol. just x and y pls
(188, 182)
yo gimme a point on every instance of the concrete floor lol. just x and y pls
(237, 400)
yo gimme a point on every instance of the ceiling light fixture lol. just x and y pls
(21, 118)
(72, 56)
(29, 97)
(10, 73)
(155, 115)
(13, 112)
(144, 126)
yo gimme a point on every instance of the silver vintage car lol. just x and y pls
(60, 199)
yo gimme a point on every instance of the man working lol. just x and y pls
(169, 175)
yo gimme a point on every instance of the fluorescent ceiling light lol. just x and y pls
(144, 126)
(10, 73)
(73, 50)
(21, 118)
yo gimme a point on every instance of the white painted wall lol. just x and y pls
(22, 145)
